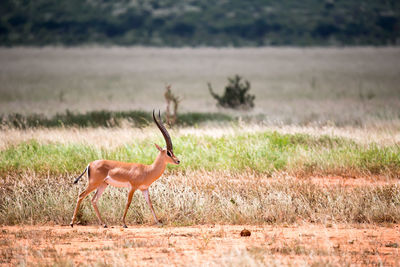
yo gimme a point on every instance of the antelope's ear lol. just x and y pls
(158, 147)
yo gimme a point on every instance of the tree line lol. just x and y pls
(199, 23)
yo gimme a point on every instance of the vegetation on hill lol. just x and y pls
(199, 23)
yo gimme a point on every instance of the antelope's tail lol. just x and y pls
(87, 169)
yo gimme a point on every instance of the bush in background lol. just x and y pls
(236, 94)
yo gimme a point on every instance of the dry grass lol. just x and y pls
(96, 137)
(346, 86)
(203, 197)
(382, 134)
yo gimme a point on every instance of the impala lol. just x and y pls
(102, 173)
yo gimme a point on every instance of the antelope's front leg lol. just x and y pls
(147, 197)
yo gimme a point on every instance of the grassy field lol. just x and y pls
(344, 86)
(290, 194)
(222, 169)
(320, 151)
(263, 152)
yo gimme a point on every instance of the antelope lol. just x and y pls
(102, 173)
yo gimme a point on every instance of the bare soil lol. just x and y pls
(200, 245)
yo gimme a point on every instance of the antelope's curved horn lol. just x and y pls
(163, 131)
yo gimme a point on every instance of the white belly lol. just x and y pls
(116, 183)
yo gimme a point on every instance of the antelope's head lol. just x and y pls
(169, 150)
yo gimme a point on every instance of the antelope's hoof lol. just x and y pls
(125, 226)
(105, 226)
(72, 225)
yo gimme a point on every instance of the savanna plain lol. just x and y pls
(312, 171)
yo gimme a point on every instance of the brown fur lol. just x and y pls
(134, 175)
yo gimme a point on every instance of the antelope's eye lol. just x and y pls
(169, 154)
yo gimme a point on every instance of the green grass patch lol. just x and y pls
(263, 153)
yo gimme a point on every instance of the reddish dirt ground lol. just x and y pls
(202, 245)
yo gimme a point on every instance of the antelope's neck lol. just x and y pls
(158, 167)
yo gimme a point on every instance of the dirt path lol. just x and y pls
(200, 245)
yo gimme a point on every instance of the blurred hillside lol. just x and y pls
(199, 23)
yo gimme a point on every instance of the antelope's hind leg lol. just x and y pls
(81, 197)
(96, 197)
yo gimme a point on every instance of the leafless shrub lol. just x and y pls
(172, 101)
